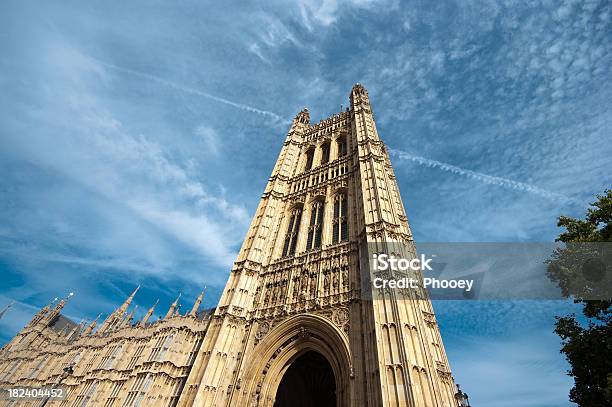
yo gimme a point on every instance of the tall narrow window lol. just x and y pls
(37, 368)
(325, 153)
(114, 394)
(160, 348)
(340, 232)
(316, 225)
(134, 359)
(12, 370)
(139, 390)
(309, 159)
(86, 395)
(165, 348)
(111, 354)
(341, 146)
(292, 232)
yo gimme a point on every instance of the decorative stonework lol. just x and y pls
(340, 317)
(262, 330)
(290, 291)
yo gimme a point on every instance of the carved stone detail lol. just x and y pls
(262, 330)
(340, 317)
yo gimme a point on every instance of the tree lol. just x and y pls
(582, 269)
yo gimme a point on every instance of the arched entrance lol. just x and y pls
(308, 382)
(286, 354)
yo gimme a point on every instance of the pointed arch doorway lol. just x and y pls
(308, 382)
(306, 351)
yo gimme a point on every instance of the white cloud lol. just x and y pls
(76, 136)
(210, 138)
(199, 231)
(516, 370)
(325, 12)
(256, 49)
(276, 33)
(270, 35)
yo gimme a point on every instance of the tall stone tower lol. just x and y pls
(299, 323)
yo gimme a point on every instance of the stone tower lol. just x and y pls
(299, 323)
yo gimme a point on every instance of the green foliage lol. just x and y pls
(582, 271)
(597, 227)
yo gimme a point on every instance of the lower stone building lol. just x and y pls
(122, 362)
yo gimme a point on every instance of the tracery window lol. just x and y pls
(110, 357)
(86, 395)
(134, 359)
(340, 222)
(341, 146)
(309, 159)
(325, 153)
(315, 229)
(37, 368)
(110, 401)
(292, 232)
(161, 347)
(139, 390)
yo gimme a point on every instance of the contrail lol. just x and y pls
(402, 155)
(191, 91)
(478, 176)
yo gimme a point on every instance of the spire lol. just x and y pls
(173, 307)
(51, 315)
(145, 319)
(116, 318)
(60, 305)
(198, 302)
(127, 302)
(91, 326)
(41, 314)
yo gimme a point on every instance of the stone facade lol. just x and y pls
(298, 322)
(122, 362)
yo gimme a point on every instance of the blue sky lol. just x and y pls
(136, 139)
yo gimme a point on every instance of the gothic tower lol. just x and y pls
(299, 323)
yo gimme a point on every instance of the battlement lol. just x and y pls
(329, 125)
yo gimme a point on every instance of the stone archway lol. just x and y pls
(308, 382)
(310, 336)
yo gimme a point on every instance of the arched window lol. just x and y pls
(340, 232)
(325, 153)
(315, 229)
(309, 158)
(292, 232)
(341, 146)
